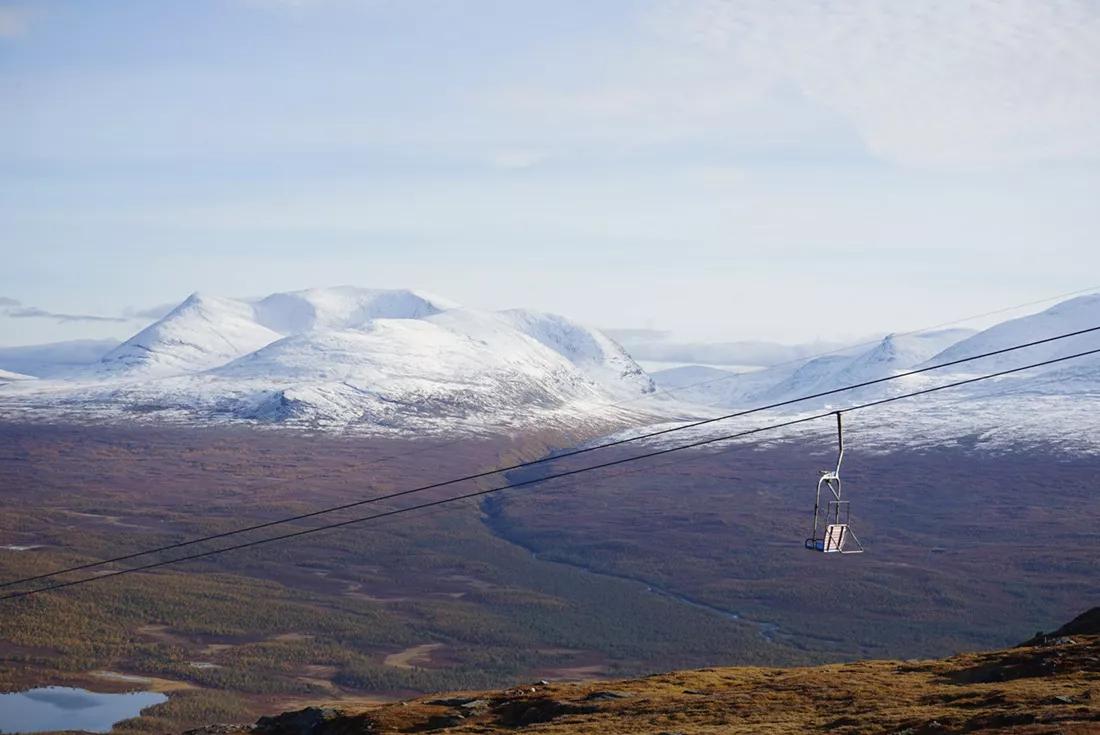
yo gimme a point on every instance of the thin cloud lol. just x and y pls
(33, 312)
(15, 309)
(938, 84)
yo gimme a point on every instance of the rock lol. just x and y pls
(302, 722)
(1063, 699)
(607, 695)
(450, 701)
(438, 722)
(523, 712)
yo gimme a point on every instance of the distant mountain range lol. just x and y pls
(344, 357)
(56, 359)
(400, 360)
(898, 353)
(1054, 406)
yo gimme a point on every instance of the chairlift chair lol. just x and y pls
(831, 532)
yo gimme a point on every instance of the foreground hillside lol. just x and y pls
(1051, 684)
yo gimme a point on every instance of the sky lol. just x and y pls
(788, 170)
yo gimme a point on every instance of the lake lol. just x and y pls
(65, 708)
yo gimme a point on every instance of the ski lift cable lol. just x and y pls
(543, 460)
(569, 473)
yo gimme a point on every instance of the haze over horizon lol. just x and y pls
(779, 171)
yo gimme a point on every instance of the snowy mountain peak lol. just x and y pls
(903, 351)
(391, 360)
(343, 307)
(592, 351)
(370, 357)
(201, 333)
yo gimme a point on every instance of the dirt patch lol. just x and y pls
(150, 683)
(412, 657)
(211, 649)
(320, 675)
(163, 634)
(573, 673)
(474, 582)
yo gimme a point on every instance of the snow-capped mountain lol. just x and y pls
(352, 357)
(404, 361)
(201, 333)
(590, 351)
(1076, 314)
(893, 354)
(1052, 406)
(206, 332)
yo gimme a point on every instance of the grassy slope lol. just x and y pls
(1047, 688)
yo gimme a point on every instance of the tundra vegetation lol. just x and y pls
(453, 598)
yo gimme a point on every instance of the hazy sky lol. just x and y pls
(738, 169)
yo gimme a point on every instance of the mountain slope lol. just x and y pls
(458, 365)
(593, 353)
(1046, 688)
(1075, 314)
(894, 354)
(201, 333)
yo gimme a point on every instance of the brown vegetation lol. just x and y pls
(1037, 689)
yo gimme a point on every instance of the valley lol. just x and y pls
(976, 505)
(622, 368)
(634, 570)
(420, 603)
(957, 538)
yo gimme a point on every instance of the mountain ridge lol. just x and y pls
(348, 357)
(405, 361)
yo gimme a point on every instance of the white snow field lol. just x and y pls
(405, 362)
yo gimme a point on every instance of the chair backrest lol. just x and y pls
(834, 537)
